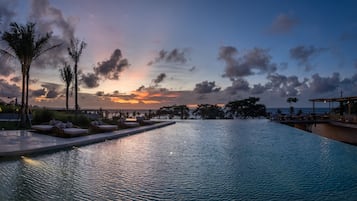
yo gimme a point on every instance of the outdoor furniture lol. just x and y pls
(99, 126)
(123, 123)
(42, 128)
(68, 130)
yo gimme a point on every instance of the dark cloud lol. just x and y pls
(159, 78)
(52, 94)
(16, 79)
(142, 87)
(6, 13)
(90, 80)
(285, 85)
(176, 56)
(99, 93)
(255, 61)
(111, 68)
(39, 92)
(48, 19)
(49, 90)
(320, 84)
(5, 68)
(239, 84)
(206, 87)
(258, 89)
(8, 90)
(193, 68)
(303, 54)
(283, 23)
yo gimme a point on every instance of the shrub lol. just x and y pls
(42, 115)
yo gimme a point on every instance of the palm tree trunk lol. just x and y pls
(22, 110)
(27, 96)
(76, 87)
(67, 93)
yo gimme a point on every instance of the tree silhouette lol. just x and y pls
(67, 76)
(75, 50)
(25, 46)
(291, 100)
(208, 111)
(245, 108)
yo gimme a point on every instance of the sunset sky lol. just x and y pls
(151, 53)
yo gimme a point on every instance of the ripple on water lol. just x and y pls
(192, 160)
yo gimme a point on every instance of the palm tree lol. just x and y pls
(75, 50)
(291, 100)
(25, 46)
(67, 77)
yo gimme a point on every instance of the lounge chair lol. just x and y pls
(123, 123)
(143, 122)
(42, 128)
(100, 127)
(67, 130)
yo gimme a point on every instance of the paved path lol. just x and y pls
(23, 142)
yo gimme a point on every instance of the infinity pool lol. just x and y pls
(191, 160)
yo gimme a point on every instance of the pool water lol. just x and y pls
(191, 160)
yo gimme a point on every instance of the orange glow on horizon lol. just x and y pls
(120, 100)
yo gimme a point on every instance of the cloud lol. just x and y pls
(320, 84)
(159, 78)
(49, 90)
(206, 87)
(111, 68)
(6, 14)
(5, 68)
(16, 79)
(38, 92)
(99, 93)
(192, 69)
(303, 54)
(142, 87)
(48, 19)
(283, 23)
(9, 90)
(285, 85)
(255, 61)
(258, 89)
(175, 56)
(239, 84)
(90, 80)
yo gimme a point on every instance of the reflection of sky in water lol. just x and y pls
(191, 160)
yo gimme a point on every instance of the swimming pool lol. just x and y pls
(191, 160)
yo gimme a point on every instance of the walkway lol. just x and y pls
(23, 142)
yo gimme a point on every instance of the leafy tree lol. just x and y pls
(75, 51)
(208, 111)
(246, 108)
(67, 77)
(174, 110)
(26, 46)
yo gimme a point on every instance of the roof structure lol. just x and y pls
(341, 99)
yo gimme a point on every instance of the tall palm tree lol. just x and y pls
(75, 50)
(25, 46)
(67, 77)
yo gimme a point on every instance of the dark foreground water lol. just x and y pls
(192, 160)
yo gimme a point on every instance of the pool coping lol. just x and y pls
(63, 143)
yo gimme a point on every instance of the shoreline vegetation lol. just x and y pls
(245, 108)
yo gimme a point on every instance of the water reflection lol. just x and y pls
(192, 160)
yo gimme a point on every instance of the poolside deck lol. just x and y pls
(24, 142)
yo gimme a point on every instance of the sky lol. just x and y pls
(145, 54)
